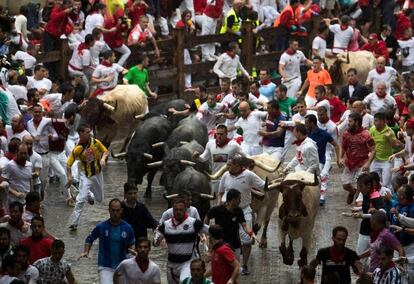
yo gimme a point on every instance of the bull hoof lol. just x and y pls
(148, 194)
(302, 262)
(263, 244)
(287, 259)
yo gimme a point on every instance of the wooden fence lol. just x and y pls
(170, 68)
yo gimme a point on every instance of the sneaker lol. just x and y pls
(91, 200)
(245, 270)
(321, 202)
(73, 227)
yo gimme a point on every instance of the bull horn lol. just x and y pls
(140, 116)
(257, 192)
(347, 57)
(206, 196)
(183, 142)
(266, 167)
(273, 186)
(119, 155)
(155, 164)
(108, 107)
(171, 196)
(217, 174)
(148, 156)
(187, 162)
(159, 144)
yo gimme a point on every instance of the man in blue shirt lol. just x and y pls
(115, 238)
(322, 138)
(267, 87)
(273, 135)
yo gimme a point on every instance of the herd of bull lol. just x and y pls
(164, 141)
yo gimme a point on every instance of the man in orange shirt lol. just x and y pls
(315, 77)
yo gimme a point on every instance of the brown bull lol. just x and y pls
(362, 61)
(120, 107)
(265, 166)
(297, 213)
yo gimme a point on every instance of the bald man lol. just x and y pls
(381, 73)
(380, 101)
(250, 123)
(16, 129)
(357, 107)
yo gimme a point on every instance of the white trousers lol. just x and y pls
(177, 272)
(208, 27)
(383, 168)
(293, 87)
(248, 215)
(70, 145)
(187, 76)
(95, 185)
(251, 150)
(125, 51)
(163, 23)
(57, 162)
(275, 152)
(106, 275)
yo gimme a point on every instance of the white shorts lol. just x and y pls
(248, 215)
(177, 272)
(350, 176)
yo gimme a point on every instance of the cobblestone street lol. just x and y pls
(266, 264)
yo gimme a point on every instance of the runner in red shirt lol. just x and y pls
(337, 107)
(39, 245)
(224, 265)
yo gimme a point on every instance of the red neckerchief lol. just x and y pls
(9, 155)
(381, 96)
(298, 142)
(223, 144)
(380, 71)
(391, 265)
(290, 51)
(257, 94)
(336, 255)
(272, 117)
(374, 234)
(231, 55)
(178, 224)
(143, 264)
(265, 82)
(106, 63)
(81, 47)
(343, 27)
(20, 163)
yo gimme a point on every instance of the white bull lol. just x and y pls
(263, 204)
(297, 212)
(123, 106)
(362, 61)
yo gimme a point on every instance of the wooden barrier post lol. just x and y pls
(247, 46)
(66, 54)
(179, 35)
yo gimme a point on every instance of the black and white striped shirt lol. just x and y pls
(389, 276)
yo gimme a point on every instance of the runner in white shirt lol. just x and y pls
(289, 68)
(16, 129)
(105, 75)
(140, 34)
(98, 47)
(208, 111)
(139, 269)
(29, 61)
(190, 210)
(59, 101)
(80, 63)
(319, 42)
(381, 73)
(342, 34)
(12, 107)
(244, 181)
(96, 19)
(358, 107)
(407, 51)
(250, 122)
(380, 101)
(229, 63)
(39, 81)
(218, 152)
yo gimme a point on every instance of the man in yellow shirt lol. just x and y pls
(92, 154)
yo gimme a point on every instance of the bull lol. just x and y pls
(143, 149)
(177, 159)
(163, 109)
(190, 128)
(124, 105)
(297, 213)
(362, 61)
(198, 184)
(266, 167)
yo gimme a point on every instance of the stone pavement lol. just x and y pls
(266, 264)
